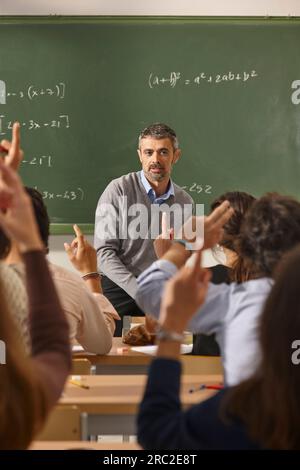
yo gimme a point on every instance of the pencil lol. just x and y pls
(78, 383)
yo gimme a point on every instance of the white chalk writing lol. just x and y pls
(33, 92)
(198, 188)
(177, 78)
(62, 121)
(44, 160)
(66, 194)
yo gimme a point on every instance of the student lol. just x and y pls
(238, 268)
(90, 315)
(271, 227)
(30, 386)
(14, 291)
(122, 258)
(13, 288)
(262, 411)
(232, 267)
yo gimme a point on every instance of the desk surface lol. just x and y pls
(114, 357)
(113, 394)
(83, 445)
(202, 364)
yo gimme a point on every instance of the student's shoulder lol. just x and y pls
(253, 287)
(12, 278)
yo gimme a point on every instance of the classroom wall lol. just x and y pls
(137, 7)
(155, 7)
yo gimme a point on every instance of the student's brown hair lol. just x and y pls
(240, 203)
(268, 402)
(22, 407)
(271, 227)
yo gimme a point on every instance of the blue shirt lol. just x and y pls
(151, 193)
(231, 312)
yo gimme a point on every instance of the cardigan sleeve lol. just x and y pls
(49, 329)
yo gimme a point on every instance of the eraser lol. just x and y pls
(122, 350)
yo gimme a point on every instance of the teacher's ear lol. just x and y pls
(140, 155)
(177, 155)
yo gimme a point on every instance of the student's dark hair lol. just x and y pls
(41, 214)
(271, 227)
(241, 203)
(159, 130)
(268, 402)
(4, 245)
(42, 219)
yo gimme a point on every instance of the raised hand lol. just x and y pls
(183, 295)
(81, 254)
(14, 152)
(16, 213)
(208, 229)
(164, 241)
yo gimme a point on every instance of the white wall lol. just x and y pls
(56, 249)
(139, 7)
(154, 7)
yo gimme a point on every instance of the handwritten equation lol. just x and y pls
(177, 78)
(198, 188)
(67, 195)
(44, 160)
(63, 121)
(32, 92)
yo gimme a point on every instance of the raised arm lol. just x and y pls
(51, 361)
(97, 325)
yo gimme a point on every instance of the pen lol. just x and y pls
(206, 387)
(78, 383)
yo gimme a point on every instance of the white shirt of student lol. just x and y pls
(231, 312)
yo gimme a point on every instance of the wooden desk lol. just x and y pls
(111, 403)
(133, 362)
(86, 445)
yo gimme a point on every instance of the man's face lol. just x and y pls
(157, 157)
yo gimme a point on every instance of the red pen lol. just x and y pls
(206, 387)
(213, 387)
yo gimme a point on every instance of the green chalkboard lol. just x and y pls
(83, 88)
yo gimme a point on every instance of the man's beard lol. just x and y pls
(156, 176)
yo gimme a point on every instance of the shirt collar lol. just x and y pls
(151, 193)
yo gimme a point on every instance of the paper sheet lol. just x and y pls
(185, 349)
